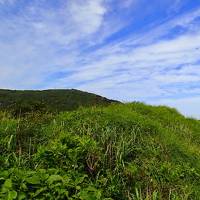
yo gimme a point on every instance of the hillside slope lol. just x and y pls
(48, 100)
(122, 151)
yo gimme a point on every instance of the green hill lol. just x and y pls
(20, 102)
(122, 151)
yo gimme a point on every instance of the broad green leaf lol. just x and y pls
(8, 184)
(12, 195)
(35, 180)
(85, 195)
(23, 186)
(90, 193)
(21, 196)
(54, 178)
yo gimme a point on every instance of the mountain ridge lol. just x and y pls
(51, 100)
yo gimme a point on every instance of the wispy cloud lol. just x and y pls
(99, 46)
(88, 15)
(156, 61)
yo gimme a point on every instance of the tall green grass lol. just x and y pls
(130, 151)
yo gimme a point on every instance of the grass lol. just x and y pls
(121, 151)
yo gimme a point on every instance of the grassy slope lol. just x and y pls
(131, 151)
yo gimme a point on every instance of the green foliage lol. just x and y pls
(21, 103)
(122, 151)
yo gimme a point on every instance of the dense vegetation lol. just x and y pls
(22, 102)
(121, 151)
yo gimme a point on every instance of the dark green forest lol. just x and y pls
(68, 144)
(53, 101)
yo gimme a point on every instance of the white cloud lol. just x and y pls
(39, 42)
(153, 58)
(88, 15)
(145, 72)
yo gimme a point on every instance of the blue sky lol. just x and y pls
(130, 50)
